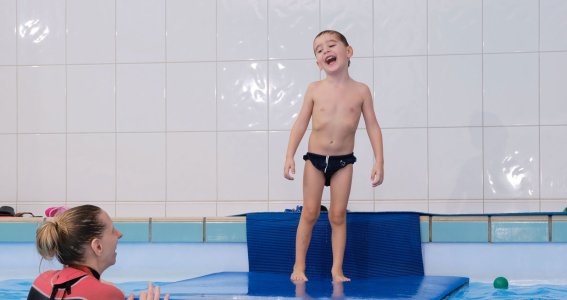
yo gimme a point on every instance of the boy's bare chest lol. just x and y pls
(336, 106)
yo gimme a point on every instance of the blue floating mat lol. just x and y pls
(263, 285)
(382, 256)
(378, 244)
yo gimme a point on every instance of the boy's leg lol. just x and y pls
(313, 183)
(340, 191)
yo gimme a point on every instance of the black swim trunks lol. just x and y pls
(328, 165)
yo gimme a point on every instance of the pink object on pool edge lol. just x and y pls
(53, 211)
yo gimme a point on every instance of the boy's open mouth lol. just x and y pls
(330, 59)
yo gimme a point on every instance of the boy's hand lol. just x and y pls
(289, 169)
(377, 176)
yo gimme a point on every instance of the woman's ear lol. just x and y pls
(96, 246)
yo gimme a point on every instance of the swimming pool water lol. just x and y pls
(18, 290)
(478, 291)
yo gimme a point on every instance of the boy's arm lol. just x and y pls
(297, 132)
(375, 136)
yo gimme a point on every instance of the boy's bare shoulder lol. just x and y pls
(315, 84)
(361, 86)
(314, 88)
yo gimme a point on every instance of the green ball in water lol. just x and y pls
(501, 283)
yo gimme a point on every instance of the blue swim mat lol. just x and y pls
(265, 285)
(378, 244)
(382, 257)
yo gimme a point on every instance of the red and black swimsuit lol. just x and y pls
(73, 283)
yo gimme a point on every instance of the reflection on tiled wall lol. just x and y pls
(183, 108)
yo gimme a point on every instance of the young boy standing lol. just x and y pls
(334, 106)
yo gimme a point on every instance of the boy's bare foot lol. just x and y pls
(339, 277)
(298, 275)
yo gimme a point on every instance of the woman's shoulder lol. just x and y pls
(82, 285)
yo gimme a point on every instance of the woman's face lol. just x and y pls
(109, 241)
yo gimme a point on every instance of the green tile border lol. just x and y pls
(424, 231)
(134, 231)
(223, 232)
(559, 229)
(434, 228)
(460, 232)
(177, 232)
(18, 231)
(514, 232)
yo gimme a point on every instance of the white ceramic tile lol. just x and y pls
(326, 197)
(91, 98)
(8, 100)
(140, 30)
(354, 20)
(511, 89)
(41, 99)
(41, 168)
(140, 209)
(242, 166)
(402, 205)
(140, 97)
(281, 189)
(190, 209)
(289, 80)
(91, 167)
(91, 31)
(455, 163)
(553, 205)
(553, 90)
(8, 32)
(9, 170)
(361, 188)
(455, 90)
(41, 32)
(405, 165)
(553, 144)
(553, 25)
(292, 27)
(454, 26)
(242, 96)
(191, 30)
(400, 27)
(400, 89)
(191, 96)
(511, 163)
(360, 206)
(242, 29)
(140, 167)
(362, 69)
(511, 206)
(192, 166)
(510, 25)
(108, 206)
(237, 208)
(456, 206)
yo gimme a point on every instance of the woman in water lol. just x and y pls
(84, 240)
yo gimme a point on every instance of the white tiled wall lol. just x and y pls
(183, 107)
